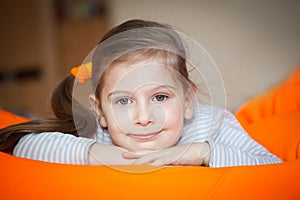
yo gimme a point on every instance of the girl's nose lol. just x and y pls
(143, 115)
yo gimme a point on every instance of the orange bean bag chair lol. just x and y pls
(272, 119)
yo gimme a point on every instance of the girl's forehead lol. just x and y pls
(131, 76)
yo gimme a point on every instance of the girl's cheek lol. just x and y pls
(174, 114)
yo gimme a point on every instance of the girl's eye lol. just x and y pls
(124, 101)
(160, 97)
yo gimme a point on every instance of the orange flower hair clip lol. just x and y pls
(82, 72)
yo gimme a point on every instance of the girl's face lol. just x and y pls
(143, 106)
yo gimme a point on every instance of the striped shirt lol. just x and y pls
(230, 144)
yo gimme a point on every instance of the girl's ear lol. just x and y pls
(190, 97)
(96, 106)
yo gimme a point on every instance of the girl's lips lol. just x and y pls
(144, 136)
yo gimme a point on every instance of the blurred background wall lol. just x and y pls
(255, 43)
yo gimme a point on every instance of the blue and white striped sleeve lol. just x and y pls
(54, 147)
(232, 146)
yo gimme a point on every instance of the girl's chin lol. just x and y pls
(153, 145)
(149, 147)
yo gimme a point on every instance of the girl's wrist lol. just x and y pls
(205, 153)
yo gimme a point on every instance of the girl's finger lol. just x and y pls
(145, 159)
(151, 158)
(130, 155)
(135, 154)
(160, 162)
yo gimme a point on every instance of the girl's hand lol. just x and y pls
(104, 154)
(187, 154)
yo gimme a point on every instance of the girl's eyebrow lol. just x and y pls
(117, 92)
(165, 86)
(152, 89)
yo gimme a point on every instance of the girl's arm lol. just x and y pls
(186, 154)
(232, 146)
(105, 154)
(67, 149)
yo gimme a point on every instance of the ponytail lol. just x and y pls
(61, 103)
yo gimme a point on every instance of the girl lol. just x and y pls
(146, 105)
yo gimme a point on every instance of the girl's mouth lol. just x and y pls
(144, 136)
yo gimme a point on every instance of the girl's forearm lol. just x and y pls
(104, 154)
